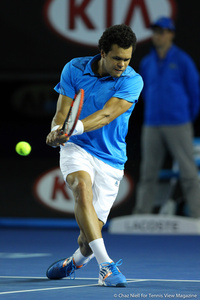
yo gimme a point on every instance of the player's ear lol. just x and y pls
(103, 54)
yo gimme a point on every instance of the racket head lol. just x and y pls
(74, 113)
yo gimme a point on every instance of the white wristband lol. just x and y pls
(55, 127)
(79, 129)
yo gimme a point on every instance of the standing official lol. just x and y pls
(171, 105)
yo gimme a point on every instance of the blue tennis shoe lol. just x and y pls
(62, 268)
(110, 275)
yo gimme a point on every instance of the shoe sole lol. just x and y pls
(120, 284)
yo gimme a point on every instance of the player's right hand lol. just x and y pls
(56, 138)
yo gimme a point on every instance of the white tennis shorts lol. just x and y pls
(105, 179)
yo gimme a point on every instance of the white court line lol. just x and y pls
(47, 289)
(80, 286)
(165, 280)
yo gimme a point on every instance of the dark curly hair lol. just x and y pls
(122, 35)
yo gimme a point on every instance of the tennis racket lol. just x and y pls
(73, 114)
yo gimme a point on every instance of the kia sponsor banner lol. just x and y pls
(51, 190)
(45, 34)
(83, 21)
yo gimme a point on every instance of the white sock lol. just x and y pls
(79, 259)
(99, 250)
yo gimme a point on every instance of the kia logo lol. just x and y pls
(51, 190)
(83, 21)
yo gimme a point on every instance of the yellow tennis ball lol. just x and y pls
(23, 148)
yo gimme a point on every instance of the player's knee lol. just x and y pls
(78, 183)
(83, 193)
(81, 186)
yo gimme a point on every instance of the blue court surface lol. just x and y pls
(156, 267)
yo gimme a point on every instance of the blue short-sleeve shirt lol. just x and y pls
(107, 143)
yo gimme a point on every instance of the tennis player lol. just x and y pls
(92, 160)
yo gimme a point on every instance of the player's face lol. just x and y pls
(115, 62)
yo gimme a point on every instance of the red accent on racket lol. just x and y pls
(74, 113)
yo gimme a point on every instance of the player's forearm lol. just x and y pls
(96, 120)
(62, 109)
(112, 109)
(58, 119)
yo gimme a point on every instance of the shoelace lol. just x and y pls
(112, 266)
(72, 271)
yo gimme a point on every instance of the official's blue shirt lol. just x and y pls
(171, 88)
(107, 143)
